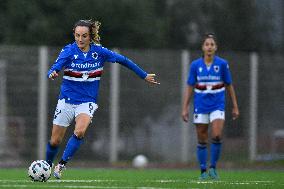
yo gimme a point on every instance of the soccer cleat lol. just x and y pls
(213, 174)
(203, 176)
(58, 171)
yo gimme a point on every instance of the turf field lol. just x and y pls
(144, 179)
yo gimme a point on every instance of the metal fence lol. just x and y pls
(149, 116)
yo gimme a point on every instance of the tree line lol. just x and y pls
(171, 24)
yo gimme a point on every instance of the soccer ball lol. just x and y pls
(39, 171)
(140, 161)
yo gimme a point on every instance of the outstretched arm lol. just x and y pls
(185, 105)
(235, 111)
(135, 68)
(123, 60)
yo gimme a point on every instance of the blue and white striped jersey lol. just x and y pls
(83, 71)
(209, 84)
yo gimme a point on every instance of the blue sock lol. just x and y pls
(50, 154)
(71, 147)
(202, 156)
(215, 151)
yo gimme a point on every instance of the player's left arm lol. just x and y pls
(230, 88)
(115, 57)
(135, 68)
(232, 94)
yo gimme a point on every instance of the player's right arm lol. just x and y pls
(60, 62)
(188, 92)
(186, 99)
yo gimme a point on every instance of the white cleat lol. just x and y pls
(58, 171)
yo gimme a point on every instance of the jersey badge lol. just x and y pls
(85, 54)
(95, 55)
(195, 116)
(85, 76)
(216, 68)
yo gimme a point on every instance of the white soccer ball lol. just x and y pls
(39, 171)
(140, 161)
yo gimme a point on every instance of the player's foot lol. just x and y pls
(203, 176)
(50, 163)
(58, 171)
(213, 174)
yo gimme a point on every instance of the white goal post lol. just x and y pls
(42, 102)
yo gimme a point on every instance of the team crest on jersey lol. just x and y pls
(216, 68)
(76, 56)
(95, 55)
(200, 69)
(195, 116)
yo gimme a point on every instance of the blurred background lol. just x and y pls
(163, 37)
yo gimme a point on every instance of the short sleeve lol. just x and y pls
(227, 74)
(191, 80)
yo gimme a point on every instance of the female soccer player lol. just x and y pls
(82, 63)
(209, 77)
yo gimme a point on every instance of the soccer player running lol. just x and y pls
(82, 63)
(209, 77)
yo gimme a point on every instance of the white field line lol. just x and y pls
(154, 181)
(255, 182)
(9, 183)
(76, 186)
(6, 184)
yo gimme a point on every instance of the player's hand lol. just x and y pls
(235, 113)
(185, 116)
(53, 75)
(151, 79)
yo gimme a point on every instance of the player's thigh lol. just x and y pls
(217, 127)
(202, 132)
(82, 123)
(84, 114)
(217, 119)
(57, 134)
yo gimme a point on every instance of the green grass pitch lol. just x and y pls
(145, 179)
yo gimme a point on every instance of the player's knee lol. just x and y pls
(202, 144)
(79, 133)
(55, 142)
(202, 138)
(216, 139)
